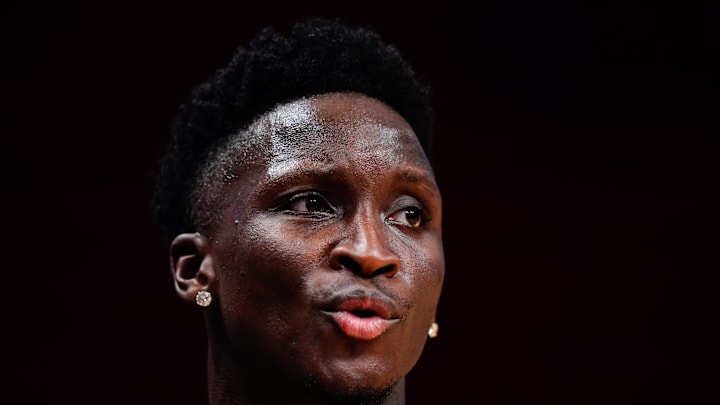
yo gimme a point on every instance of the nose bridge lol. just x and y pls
(365, 249)
(367, 231)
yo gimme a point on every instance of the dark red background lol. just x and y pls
(576, 147)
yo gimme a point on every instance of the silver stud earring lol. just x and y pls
(433, 331)
(203, 298)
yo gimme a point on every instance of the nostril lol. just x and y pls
(348, 263)
(390, 270)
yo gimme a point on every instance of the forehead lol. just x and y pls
(330, 127)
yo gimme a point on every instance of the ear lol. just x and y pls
(191, 265)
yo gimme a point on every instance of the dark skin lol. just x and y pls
(325, 260)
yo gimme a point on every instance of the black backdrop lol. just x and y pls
(575, 149)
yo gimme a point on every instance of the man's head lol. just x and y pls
(312, 217)
(318, 56)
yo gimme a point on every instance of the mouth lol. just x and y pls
(361, 317)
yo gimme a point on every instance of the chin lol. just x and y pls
(343, 395)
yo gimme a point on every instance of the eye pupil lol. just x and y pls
(313, 204)
(412, 216)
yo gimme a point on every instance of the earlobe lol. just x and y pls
(191, 265)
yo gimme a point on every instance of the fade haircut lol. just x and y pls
(317, 56)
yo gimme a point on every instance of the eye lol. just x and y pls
(410, 216)
(308, 203)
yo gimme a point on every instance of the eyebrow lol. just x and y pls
(418, 177)
(317, 171)
(293, 171)
(295, 175)
(413, 176)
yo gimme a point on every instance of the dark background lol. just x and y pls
(576, 146)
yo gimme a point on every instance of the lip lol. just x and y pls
(361, 315)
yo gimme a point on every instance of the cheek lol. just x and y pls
(282, 250)
(264, 290)
(429, 286)
(428, 272)
(268, 266)
(422, 280)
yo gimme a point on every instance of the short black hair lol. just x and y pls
(317, 56)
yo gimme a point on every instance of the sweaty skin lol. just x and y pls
(325, 260)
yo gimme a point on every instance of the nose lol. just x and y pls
(366, 251)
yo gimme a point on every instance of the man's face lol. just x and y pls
(328, 250)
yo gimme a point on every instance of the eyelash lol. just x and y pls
(423, 218)
(328, 209)
(287, 206)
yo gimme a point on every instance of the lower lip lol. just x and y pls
(360, 328)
